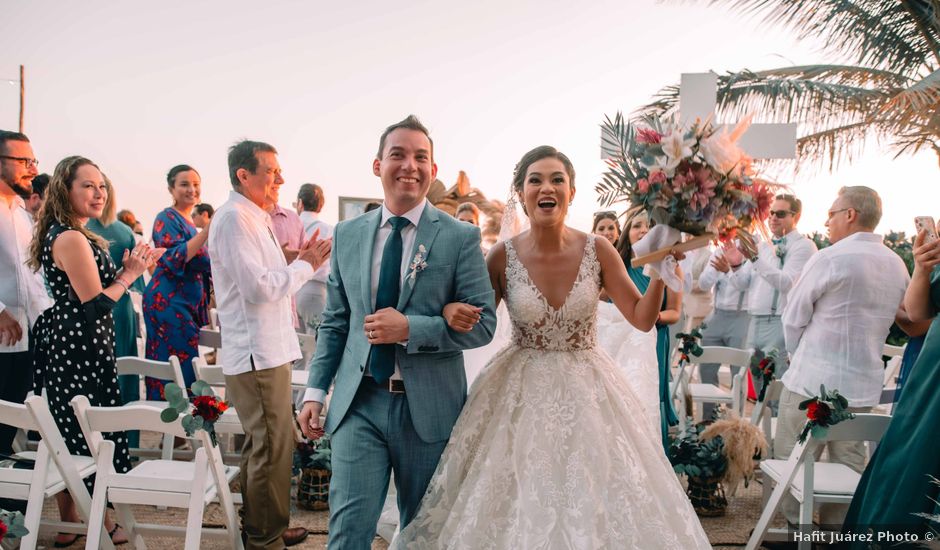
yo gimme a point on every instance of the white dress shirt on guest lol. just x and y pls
(22, 292)
(253, 285)
(408, 236)
(764, 276)
(838, 318)
(727, 296)
(311, 223)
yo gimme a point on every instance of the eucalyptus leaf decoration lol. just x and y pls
(764, 365)
(690, 343)
(206, 408)
(12, 525)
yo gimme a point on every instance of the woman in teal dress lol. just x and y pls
(635, 227)
(121, 238)
(896, 485)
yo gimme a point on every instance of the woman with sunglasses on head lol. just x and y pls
(75, 337)
(635, 228)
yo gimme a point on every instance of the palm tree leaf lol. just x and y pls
(917, 105)
(898, 36)
(817, 96)
(834, 145)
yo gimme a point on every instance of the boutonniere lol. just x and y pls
(781, 251)
(417, 264)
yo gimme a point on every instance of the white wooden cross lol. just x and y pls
(698, 98)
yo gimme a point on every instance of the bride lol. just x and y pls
(551, 450)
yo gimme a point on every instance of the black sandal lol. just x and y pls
(113, 531)
(75, 537)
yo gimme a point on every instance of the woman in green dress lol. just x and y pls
(121, 238)
(635, 228)
(897, 486)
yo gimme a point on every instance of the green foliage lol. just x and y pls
(15, 527)
(824, 411)
(178, 405)
(316, 454)
(691, 456)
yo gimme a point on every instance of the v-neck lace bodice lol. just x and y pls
(536, 324)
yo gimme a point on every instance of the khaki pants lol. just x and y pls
(853, 454)
(263, 401)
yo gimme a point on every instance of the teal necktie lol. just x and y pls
(382, 359)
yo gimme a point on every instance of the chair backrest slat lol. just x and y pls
(723, 355)
(16, 415)
(165, 370)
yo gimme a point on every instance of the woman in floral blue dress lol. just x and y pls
(175, 303)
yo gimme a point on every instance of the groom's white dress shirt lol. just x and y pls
(838, 318)
(253, 285)
(408, 236)
(22, 292)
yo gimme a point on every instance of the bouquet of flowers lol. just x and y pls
(11, 525)
(764, 365)
(822, 411)
(694, 179)
(206, 408)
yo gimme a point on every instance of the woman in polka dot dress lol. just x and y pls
(75, 337)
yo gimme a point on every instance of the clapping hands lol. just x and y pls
(140, 259)
(314, 251)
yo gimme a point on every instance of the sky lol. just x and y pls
(141, 87)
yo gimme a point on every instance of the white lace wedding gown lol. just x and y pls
(551, 450)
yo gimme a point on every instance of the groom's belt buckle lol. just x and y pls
(396, 386)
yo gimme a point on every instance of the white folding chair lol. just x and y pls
(890, 387)
(762, 414)
(54, 470)
(812, 482)
(164, 370)
(190, 485)
(708, 393)
(229, 423)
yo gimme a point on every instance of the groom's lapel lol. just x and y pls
(427, 232)
(369, 229)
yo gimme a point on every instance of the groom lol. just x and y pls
(397, 368)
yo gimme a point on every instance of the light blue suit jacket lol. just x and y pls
(432, 363)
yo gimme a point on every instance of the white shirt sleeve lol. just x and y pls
(314, 394)
(257, 282)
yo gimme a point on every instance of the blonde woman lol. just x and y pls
(75, 337)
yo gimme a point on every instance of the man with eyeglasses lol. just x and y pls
(769, 274)
(836, 323)
(22, 293)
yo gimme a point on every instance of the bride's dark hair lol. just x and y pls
(535, 155)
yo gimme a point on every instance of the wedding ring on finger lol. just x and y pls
(371, 334)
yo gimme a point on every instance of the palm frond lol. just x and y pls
(875, 33)
(834, 145)
(818, 96)
(917, 105)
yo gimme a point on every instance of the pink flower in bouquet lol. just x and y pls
(643, 185)
(679, 182)
(657, 176)
(763, 197)
(648, 135)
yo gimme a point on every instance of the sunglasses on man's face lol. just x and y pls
(781, 213)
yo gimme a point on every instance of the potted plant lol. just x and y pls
(313, 460)
(715, 456)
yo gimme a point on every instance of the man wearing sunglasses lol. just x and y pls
(836, 323)
(770, 273)
(22, 293)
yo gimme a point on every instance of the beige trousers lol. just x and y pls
(854, 454)
(263, 401)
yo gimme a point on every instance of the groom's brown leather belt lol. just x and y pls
(392, 385)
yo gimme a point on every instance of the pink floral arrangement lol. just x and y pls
(695, 179)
